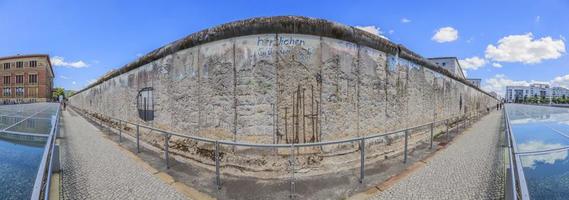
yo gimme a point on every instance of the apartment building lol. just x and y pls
(518, 93)
(449, 63)
(26, 79)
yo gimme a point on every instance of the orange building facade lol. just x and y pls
(26, 79)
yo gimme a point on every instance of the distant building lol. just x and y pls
(560, 92)
(449, 63)
(475, 81)
(519, 93)
(26, 78)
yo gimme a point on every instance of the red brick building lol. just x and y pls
(26, 78)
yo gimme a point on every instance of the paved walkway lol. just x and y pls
(470, 168)
(95, 168)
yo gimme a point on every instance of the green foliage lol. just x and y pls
(543, 100)
(58, 91)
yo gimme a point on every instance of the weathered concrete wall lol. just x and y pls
(297, 87)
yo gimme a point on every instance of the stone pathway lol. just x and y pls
(470, 168)
(95, 168)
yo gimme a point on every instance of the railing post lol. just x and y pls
(432, 127)
(166, 149)
(217, 177)
(405, 150)
(137, 138)
(292, 171)
(362, 159)
(120, 131)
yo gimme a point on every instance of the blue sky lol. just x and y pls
(89, 38)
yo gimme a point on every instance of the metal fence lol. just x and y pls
(516, 187)
(456, 121)
(43, 179)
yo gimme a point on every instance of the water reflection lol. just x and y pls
(19, 161)
(549, 158)
(33, 125)
(539, 128)
(547, 175)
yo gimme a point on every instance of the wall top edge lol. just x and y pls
(285, 25)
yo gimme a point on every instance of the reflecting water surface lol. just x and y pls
(23, 131)
(541, 134)
(19, 162)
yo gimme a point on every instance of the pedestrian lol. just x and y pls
(64, 104)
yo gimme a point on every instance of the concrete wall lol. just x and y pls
(299, 87)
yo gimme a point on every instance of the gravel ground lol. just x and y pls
(95, 168)
(470, 168)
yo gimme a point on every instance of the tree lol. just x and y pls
(58, 92)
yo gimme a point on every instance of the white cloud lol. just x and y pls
(73, 82)
(537, 19)
(499, 82)
(445, 34)
(549, 158)
(562, 81)
(63, 77)
(497, 65)
(405, 20)
(373, 30)
(91, 81)
(472, 63)
(391, 31)
(60, 61)
(523, 48)
(562, 38)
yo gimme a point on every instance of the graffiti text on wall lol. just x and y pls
(289, 45)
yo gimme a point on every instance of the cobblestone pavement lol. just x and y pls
(95, 168)
(470, 168)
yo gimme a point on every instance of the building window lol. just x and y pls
(19, 64)
(6, 65)
(19, 91)
(32, 92)
(33, 63)
(19, 78)
(6, 80)
(33, 78)
(7, 92)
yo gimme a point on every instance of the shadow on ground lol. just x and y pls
(330, 186)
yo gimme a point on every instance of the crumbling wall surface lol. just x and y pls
(307, 89)
(284, 87)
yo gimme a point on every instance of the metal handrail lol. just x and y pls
(226, 142)
(516, 169)
(461, 118)
(43, 178)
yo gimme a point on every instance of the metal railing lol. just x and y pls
(42, 183)
(459, 121)
(516, 187)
